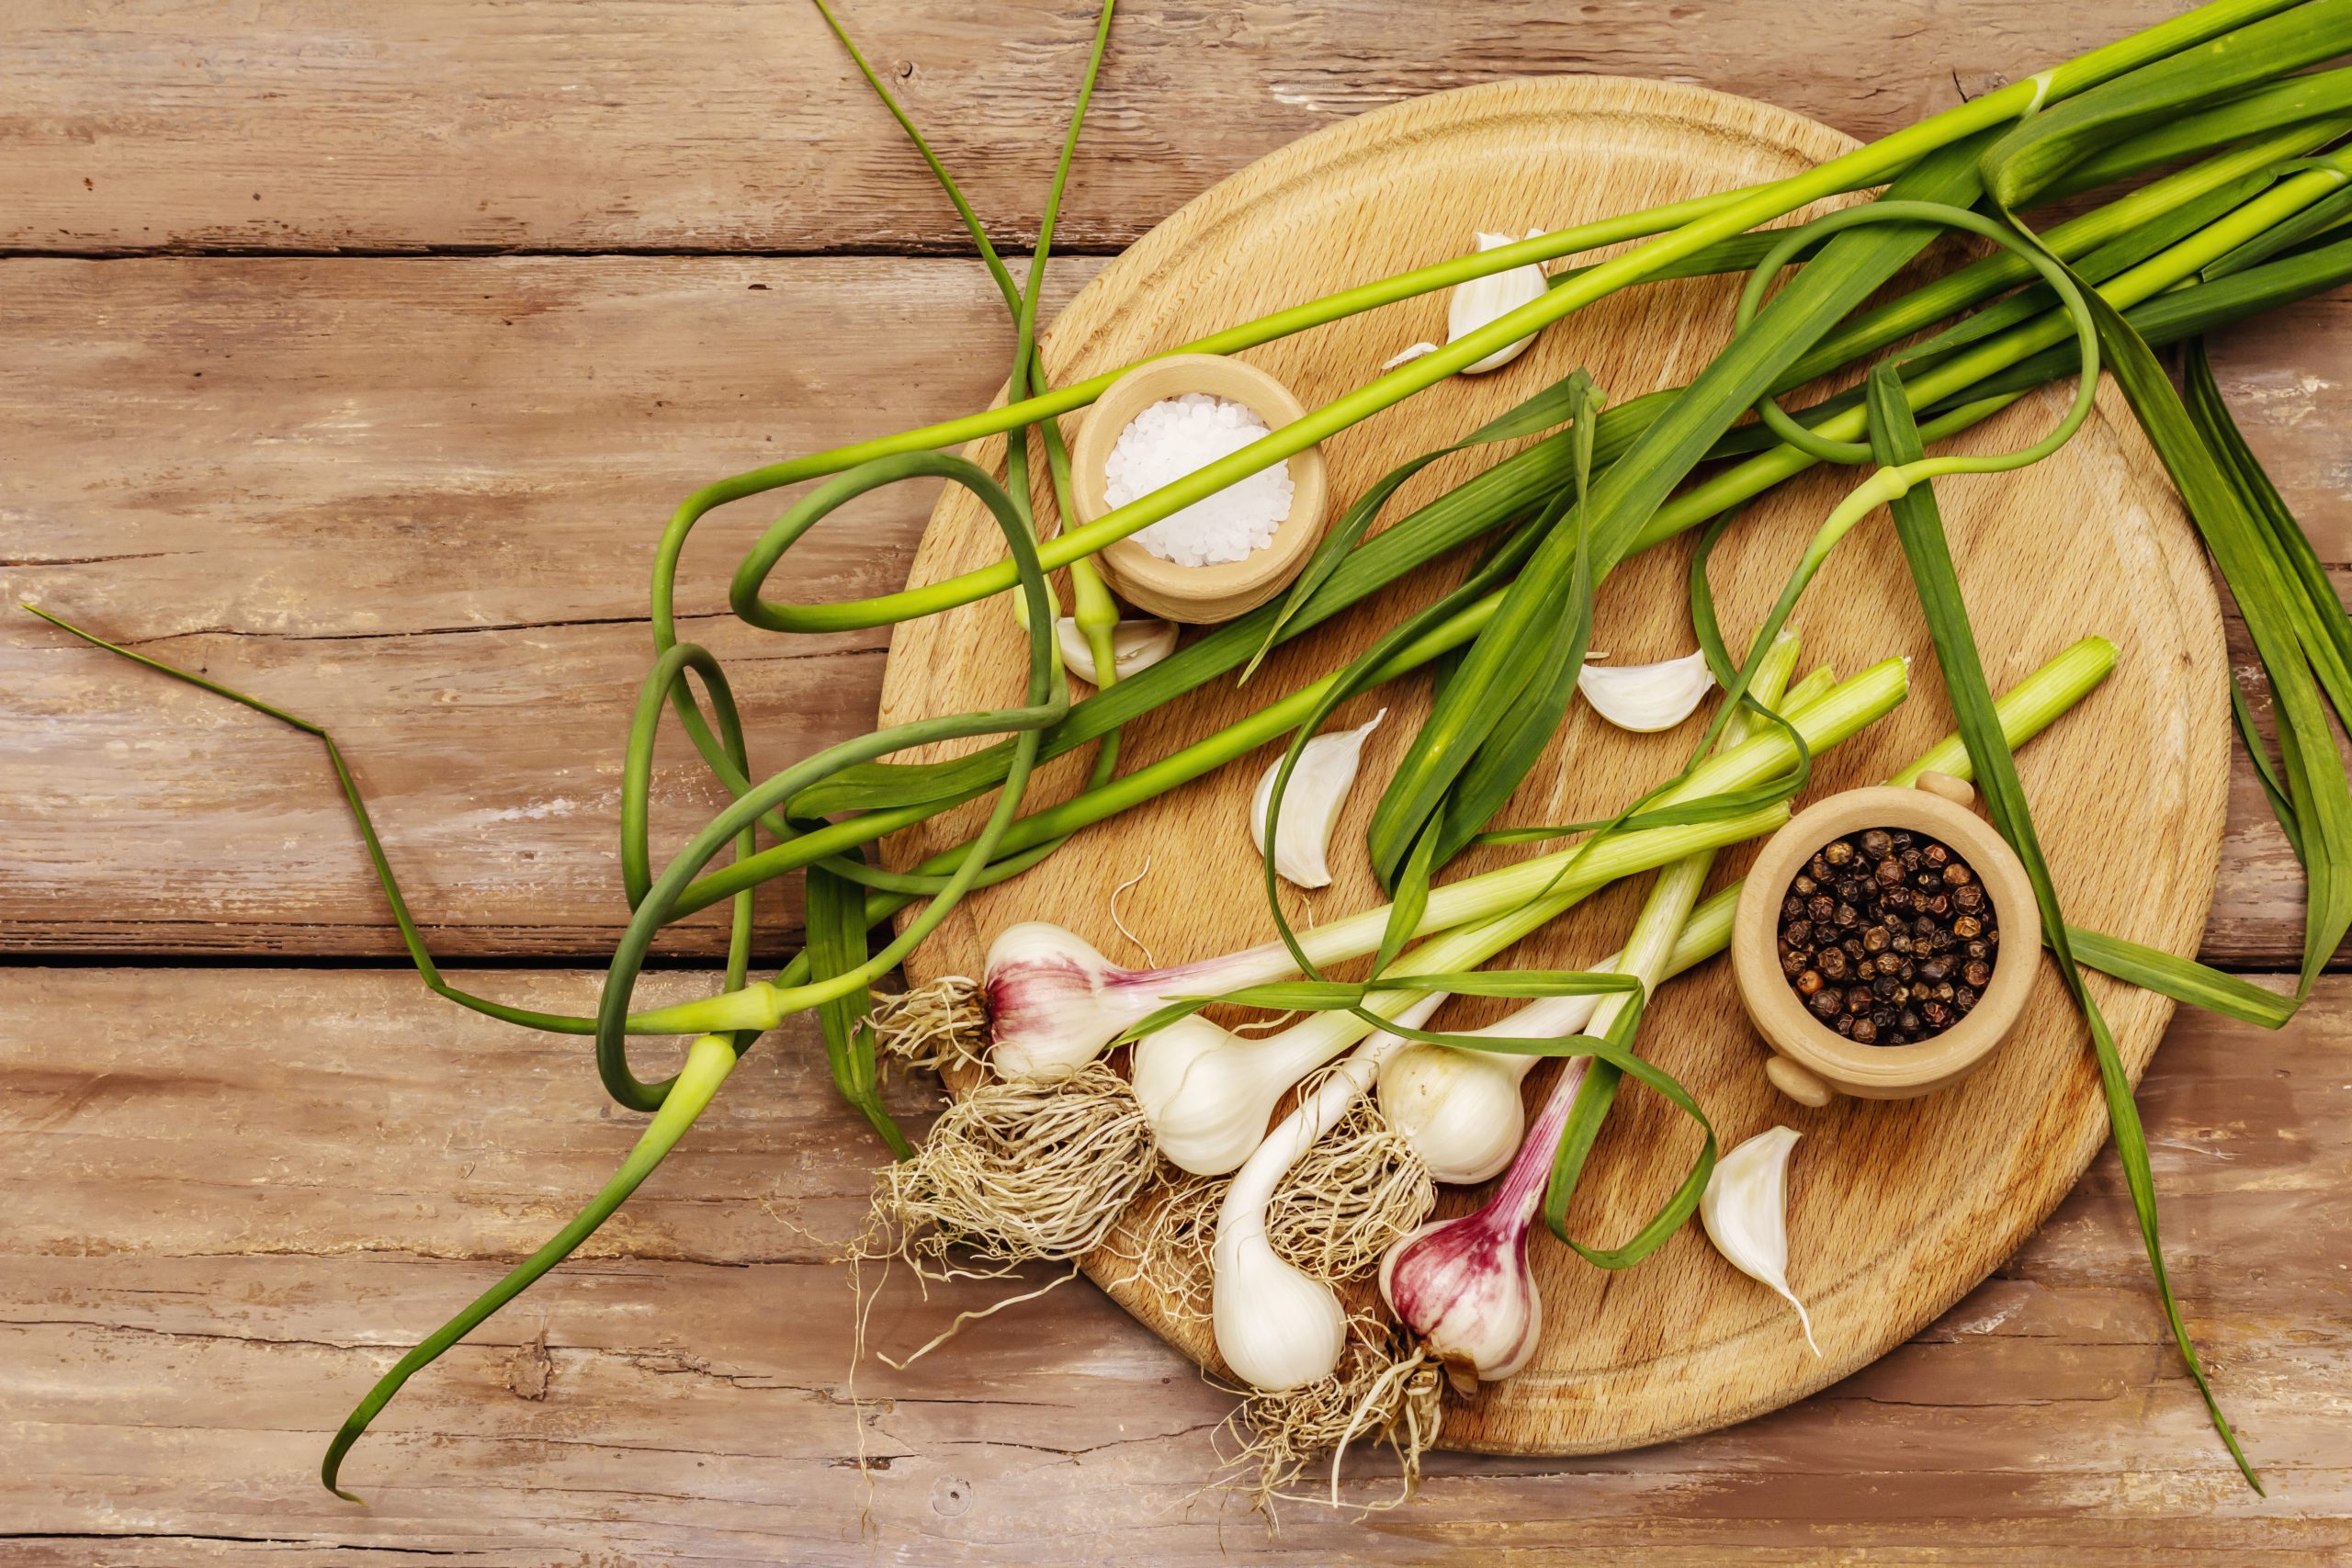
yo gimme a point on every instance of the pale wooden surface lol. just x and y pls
(1682, 1344)
(415, 497)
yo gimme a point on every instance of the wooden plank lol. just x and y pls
(646, 124)
(236, 1195)
(416, 500)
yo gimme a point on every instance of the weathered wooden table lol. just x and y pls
(353, 355)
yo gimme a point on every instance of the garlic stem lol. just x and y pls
(1745, 1210)
(1094, 985)
(1054, 1002)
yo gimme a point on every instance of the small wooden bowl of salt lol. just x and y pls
(1221, 557)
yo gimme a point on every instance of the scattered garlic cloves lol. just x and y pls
(1745, 1210)
(1483, 300)
(1136, 646)
(1318, 788)
(1647, 697)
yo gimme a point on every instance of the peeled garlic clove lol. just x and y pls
(1318, 789)
(1745, 1210)
(1647, 697)
(1483, 300)
(1135, 645)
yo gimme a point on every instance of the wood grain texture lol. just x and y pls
(682, 124)
(417, 499)
(1681, 1344)
(234, 1196)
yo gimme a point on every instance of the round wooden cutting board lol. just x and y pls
(1896, 1209)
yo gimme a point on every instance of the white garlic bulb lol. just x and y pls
(1745, 1210)
(1459, 1110)
(1311, 804)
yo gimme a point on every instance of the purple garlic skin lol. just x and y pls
(1463, 1286)
(1043, 992)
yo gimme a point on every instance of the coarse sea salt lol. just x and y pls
(1170, 439)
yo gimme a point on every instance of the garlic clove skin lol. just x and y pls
(1483, 300)
(1745, 1210)
(1459, 1110)
(1051, 1007)
(1207, 1093)
(1464, 1287)
(1136, 646)
(1311, 806)
(1646, 698)
(1407, 355)
(1275, 1327)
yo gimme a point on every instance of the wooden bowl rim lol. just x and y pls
(1885, 1071)
(1199, 594)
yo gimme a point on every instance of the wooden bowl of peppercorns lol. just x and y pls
(1885, 942)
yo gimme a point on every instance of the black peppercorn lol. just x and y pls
(1887, 936)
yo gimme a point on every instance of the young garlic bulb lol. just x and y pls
(1276, 1326)
(1459, 1110)
(1463, 1286)
(1054, 1002)
(1460, 1107)
(1745, 1210)
(1311, 806)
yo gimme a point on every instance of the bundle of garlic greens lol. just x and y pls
(1041, 1161)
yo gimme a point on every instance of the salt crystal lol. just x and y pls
(1170, 439)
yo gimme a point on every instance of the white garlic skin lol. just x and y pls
(1311, 804)
(1207, 1093)
(1484, 299)
(1745, 1212)
(1459, 1110)
(1646, 698)
(1275, 1327)
(1464, 1289)
(1136, 646)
